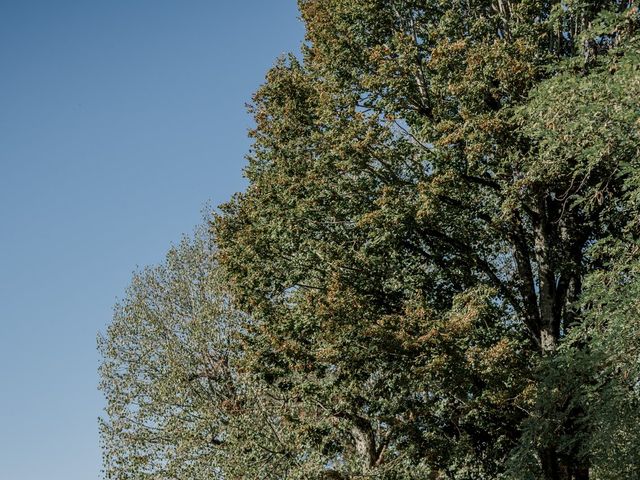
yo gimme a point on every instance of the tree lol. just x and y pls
(611, 396)
(179, 403)
(425, 188)
(433, 272)
(168, 369)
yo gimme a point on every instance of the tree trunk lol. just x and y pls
(365, 446)
(558, 246)
(549, 461)
(549, 318)
(549, 327)
(581, 473)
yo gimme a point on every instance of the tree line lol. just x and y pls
(434, 272)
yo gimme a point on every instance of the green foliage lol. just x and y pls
(167, 366)
(610, 367)
(428, 260)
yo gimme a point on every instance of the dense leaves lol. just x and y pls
(428, 258)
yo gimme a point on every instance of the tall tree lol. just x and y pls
(179, 403)
(425, 186)
(168, 369)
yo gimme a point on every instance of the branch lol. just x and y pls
(474, 259)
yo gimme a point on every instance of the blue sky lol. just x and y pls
(119, 119)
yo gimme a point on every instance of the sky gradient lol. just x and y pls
(119, 120)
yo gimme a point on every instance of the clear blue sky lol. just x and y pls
(119, 119)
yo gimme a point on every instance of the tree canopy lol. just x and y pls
(433, 272)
